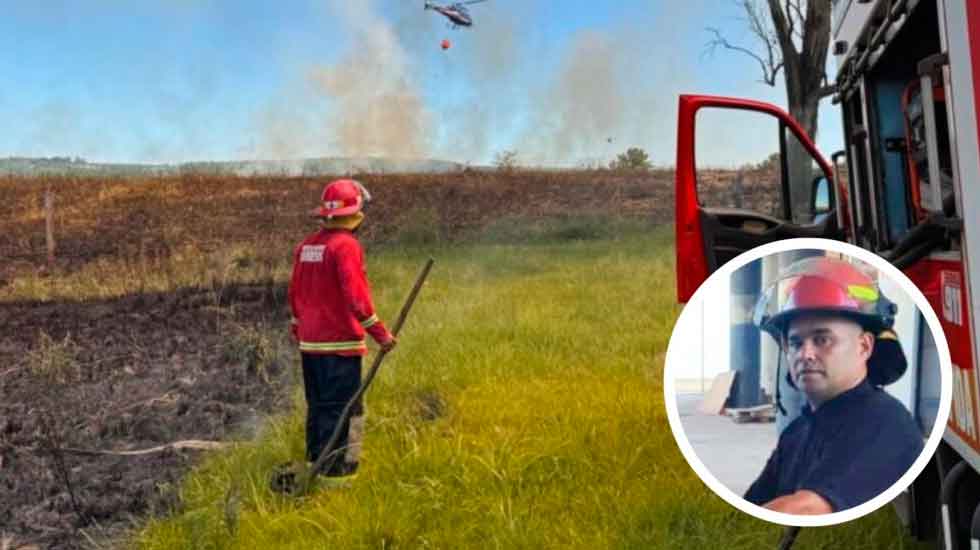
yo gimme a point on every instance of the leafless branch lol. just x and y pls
(797, 12)
(781, 28)
(190, 444)
(775, 71)
(827, 91)
(769, 68)
(758, 22)
(790, 20)
(795, 18)
(794, 36)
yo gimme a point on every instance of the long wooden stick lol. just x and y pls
(789, 537)
(195, 444)
(329, 452)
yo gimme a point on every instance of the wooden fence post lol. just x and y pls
(49, 223)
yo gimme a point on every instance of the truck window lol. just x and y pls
(738, 160)
(750, 160)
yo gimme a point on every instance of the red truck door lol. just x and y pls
(722, 212)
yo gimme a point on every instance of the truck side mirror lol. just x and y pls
(820, 196)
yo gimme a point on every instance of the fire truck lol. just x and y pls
(906, 186)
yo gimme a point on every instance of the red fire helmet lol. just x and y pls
(824, 285)
(341, 198)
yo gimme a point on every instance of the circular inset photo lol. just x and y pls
(808, 382)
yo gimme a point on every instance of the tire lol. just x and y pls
(957, 505)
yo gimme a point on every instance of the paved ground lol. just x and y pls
(733, 453)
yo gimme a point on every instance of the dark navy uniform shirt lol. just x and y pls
(849, 451)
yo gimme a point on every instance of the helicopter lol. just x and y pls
(456, 13)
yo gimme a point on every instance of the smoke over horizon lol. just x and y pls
(498, 87)
(560, 83)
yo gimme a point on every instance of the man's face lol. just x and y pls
(827, 356)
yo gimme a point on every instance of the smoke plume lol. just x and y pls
(376, 104)
(502, 85)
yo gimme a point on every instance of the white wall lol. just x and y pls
(704, 335)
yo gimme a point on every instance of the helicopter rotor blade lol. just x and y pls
(472, 2)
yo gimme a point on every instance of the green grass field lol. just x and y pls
(523, 408)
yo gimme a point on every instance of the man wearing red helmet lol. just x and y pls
(330, 299)
(853, 440)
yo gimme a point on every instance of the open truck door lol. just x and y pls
(723, 210)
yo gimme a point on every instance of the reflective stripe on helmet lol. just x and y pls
(866, 293)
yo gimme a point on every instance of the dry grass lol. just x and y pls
(53, 360)
(113, 217)
(507, 418)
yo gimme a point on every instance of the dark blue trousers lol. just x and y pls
(329, 382)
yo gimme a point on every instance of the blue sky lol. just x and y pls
(560, 82)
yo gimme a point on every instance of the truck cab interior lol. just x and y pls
(747, 175)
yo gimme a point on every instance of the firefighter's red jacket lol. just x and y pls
(330, 297)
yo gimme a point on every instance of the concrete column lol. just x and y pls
(744, 349)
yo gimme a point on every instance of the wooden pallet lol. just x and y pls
(714, 401)
(762, 413)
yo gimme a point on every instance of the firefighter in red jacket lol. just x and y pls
(330, 299)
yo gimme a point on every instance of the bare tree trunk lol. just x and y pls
(800, 162)
(804, 70)
(798, 170)
(804, 74)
